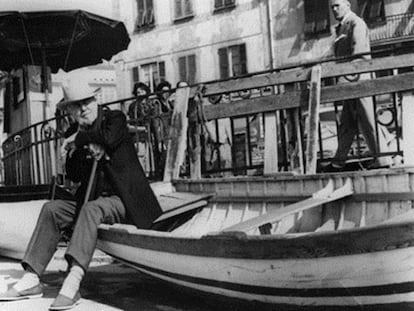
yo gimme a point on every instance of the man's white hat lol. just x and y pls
(74, 92)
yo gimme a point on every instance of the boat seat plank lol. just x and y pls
(176, 203)
(175, 200)
(323, 196)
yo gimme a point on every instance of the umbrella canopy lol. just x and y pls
(59, 39)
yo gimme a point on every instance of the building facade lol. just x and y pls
(199, 40)
(192, 40)
(304, 30)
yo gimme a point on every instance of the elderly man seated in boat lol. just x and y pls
(101, 157)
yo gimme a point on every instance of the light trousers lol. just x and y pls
(58, 216)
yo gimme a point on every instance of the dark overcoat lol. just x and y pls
(121, 168)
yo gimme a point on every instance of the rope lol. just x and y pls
(71, 42)
(27, 39)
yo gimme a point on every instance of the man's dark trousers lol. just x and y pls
(59, 215)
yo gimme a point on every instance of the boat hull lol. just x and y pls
(17, 223)
(20, 207)
(255, 270)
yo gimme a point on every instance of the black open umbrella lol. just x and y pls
(58, 39)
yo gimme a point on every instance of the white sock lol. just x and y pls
(28, 280)
(72, 282)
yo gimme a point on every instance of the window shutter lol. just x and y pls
(376, 9)
(135, 74)
(362, 5)
(371, 10)
(178, 9)
(188, 9)
(243, 59)
(161, 68)
(150, 12)
(192, 69)
(140, 13)
(182, 70)
(149, 5)
(223, 63)
(317, 18)
(238, 58)
(140, 5)
(8, 101)
(218, 3)
(228, 2)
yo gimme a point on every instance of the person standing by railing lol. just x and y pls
(352, 38)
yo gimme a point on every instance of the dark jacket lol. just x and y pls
(121, 173)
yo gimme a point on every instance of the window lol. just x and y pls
(145, 17)
(183, 9)
(372, 11)
(152, 74)
(187, 69)
(224, 4)
(317, 20)
(232, 61)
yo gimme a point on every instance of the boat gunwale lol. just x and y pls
(369, 239)
(283, 176)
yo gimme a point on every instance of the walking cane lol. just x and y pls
(95, 162)
(91, 179)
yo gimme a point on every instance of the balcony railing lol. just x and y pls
(393, 28)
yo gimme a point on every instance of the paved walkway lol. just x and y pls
(111, 286)
(108, 286)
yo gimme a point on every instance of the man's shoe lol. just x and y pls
(31, 293)
(64, 303)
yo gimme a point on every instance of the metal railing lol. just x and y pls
(392, 28)
(31, 156)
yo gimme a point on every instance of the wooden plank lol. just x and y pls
(356, 197)
(326, 195)
(256, 105)
(175, 200)
(177, 138)
(181, 210)
(333, 69)
(270, 141)
(408, 127)
(312, 121)
(329, 69)
(161, 187)
(299, 144)
(289, 100)
(365, 88)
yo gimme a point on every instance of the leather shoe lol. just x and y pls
(62, 302)
(31, 293)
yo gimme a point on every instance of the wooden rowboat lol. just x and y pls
(283, 241)
(20, 207)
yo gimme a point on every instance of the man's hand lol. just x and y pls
(68, 146)
(97, 151)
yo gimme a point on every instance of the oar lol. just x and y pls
(91, 179)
